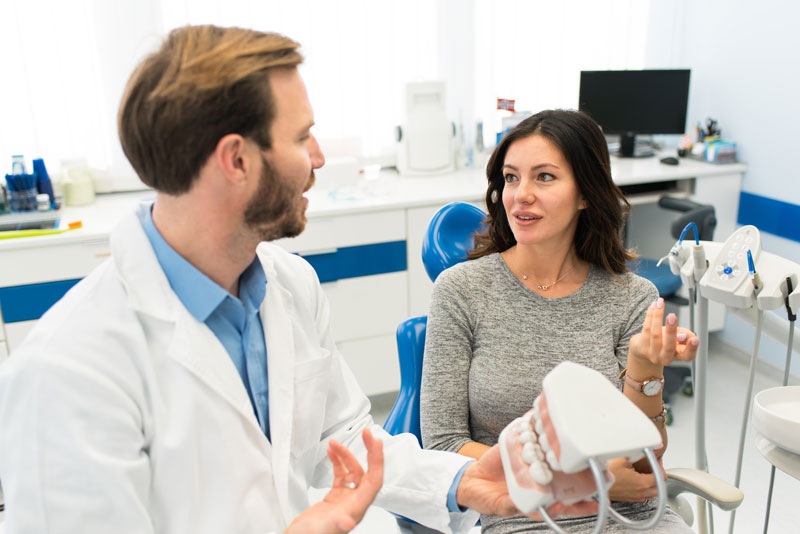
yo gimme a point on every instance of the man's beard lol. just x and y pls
(276, 210)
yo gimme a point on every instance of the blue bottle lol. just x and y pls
(43, 183)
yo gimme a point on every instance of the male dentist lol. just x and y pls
(191, 384)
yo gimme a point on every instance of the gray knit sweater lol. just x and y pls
(491, 340)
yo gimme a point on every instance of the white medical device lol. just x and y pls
(559, 450)
(426, 140)
(749, 281)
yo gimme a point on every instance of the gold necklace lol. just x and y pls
(545, 287)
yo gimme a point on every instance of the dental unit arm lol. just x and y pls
(749, 282)
(559, 450)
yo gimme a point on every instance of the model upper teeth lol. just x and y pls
(525, 217)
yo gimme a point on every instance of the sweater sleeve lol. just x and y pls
(444, 400)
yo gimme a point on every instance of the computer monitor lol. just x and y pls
(630, 102)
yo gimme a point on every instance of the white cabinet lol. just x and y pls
(352, 254)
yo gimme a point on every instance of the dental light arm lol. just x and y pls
(559, 450)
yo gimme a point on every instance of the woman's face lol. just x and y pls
(541, 197)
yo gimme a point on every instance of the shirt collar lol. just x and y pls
(198, 293)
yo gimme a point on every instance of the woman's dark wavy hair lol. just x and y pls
(598, 235)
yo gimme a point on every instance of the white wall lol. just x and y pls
(745, 74)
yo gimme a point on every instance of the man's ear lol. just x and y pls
(232, 157)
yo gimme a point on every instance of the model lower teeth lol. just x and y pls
(540, 473)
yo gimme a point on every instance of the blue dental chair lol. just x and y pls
(449, 237)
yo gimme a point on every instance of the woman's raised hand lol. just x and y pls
(661, 343)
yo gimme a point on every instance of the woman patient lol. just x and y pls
(546, 283)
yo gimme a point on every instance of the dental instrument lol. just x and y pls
(559, 450)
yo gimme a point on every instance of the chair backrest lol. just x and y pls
(450, 236)
(447, 241)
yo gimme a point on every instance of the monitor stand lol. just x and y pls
(629, 149)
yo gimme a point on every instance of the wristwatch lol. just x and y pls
(649, 386)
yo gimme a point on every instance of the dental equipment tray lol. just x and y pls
(776, 416)
(26, 220)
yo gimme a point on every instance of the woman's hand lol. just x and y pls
(661, 344)
(352, 492)
(631, 485)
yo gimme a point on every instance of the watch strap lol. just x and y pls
(639, 386)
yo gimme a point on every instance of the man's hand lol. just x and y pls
(352, 492)
(483, 488)
(631, 485)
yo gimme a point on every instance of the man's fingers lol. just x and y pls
(374, 476)
(339, 471)
(354, 470)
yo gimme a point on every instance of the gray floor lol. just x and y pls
(727, 383)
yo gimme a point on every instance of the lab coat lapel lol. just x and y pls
(276, 311)
(192, 343)
(196, 347)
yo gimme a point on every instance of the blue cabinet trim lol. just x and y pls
(362, 260)
(26, 303)
(29, 302)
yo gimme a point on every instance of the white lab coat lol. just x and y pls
(122, 413)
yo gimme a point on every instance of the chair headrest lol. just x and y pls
(450, 236)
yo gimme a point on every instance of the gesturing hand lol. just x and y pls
(659, 344)
(483, 488)
(352, 492)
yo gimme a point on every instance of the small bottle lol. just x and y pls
(43, 202)
(17, 164)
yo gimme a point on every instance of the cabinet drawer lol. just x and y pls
(326, 234)
(69, 261)
(367, 306)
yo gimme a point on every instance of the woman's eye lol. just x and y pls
(510, 178)
(546, 177)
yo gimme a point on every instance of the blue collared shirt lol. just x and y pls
(235, 321)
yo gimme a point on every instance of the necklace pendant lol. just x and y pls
(544, 288)
(524, 276)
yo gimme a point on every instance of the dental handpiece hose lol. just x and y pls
(792, 317)
(756, 281)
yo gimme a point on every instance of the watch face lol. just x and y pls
(651, 387)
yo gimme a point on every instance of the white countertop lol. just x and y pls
(388, 191)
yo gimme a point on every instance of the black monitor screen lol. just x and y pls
(630, 102)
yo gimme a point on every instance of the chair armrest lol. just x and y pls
(717, 491)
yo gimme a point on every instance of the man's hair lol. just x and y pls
(204, 82)
(598, 236)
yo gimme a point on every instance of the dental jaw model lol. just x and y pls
(559, 450)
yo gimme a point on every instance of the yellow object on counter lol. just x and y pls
(12, 234)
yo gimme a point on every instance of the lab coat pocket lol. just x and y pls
(311, 382)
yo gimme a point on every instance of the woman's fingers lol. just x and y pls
(669, 342)
(656, 320)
